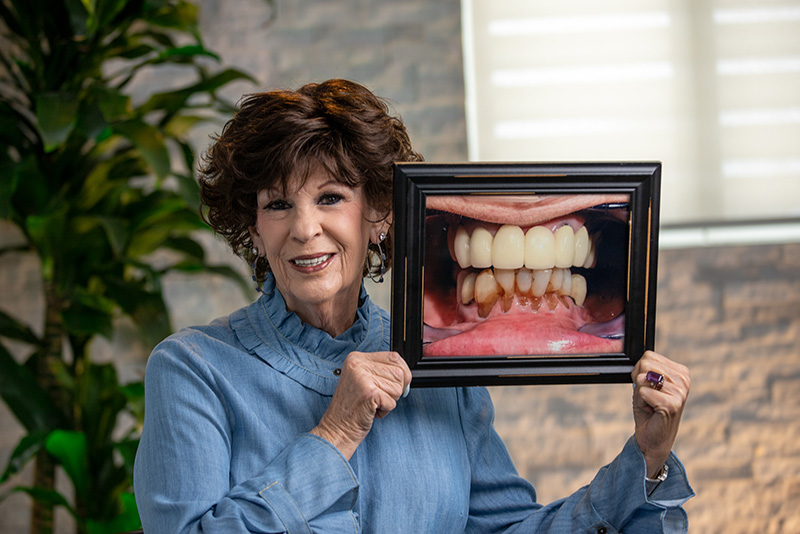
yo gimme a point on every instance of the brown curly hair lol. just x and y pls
(338, 124)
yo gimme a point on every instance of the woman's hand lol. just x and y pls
(657, 413)
(369, 387)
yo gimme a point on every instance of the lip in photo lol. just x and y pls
(525, 274)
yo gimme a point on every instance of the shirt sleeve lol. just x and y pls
(615, 501)
(182, 470)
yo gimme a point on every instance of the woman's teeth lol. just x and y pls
(532, 286)
(511, 248)
(313, 261)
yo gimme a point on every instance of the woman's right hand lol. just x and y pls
(369, 387)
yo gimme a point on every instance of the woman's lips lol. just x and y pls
(517, 209)
(517, 301)
(311, 262)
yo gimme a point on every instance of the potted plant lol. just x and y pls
(96, 185)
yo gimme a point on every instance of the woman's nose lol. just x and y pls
(305, 225)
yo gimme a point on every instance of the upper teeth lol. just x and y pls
(511, 248)
(313, 261)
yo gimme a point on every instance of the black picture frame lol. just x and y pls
(621, 285)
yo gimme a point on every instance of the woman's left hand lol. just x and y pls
(657, 413)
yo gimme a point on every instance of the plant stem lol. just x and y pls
(44, 477)
(42, 520)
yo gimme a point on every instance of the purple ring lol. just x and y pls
(656, 380)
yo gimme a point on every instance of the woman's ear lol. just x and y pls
(381, 227)
(258, 245)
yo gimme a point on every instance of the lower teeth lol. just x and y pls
(553, 286)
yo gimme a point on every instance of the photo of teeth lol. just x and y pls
(511, 278)
(524, 273)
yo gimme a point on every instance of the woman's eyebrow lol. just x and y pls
(331, 182)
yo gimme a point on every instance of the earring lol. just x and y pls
(382, 256)
(255, 272)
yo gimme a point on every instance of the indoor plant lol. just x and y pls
(97, 185)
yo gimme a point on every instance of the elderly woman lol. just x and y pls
(292, 414)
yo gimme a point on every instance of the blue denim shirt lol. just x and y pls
(226, 449)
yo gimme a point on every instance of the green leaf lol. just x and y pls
(107, 182)
(79, 11)
(136, 51)
(113, 104)
(188, 51)
(106, 11)
(127, 520)
(147, 309)
(26, 399)
(168, 218)
(127, 451)
(47, 232)
(88, 314)
(70, 448)
(187, 185)
(181, 125)
(116, 231)
(10, 125)
(7, 187)
(180, 16)
(134, 394)
(150, 143)
(187, 245)
(56, 115)
(26, 449)
(173, 101)
(13, 329)
(32, 193)
(91, 122)
(101, 401)
(48, 496)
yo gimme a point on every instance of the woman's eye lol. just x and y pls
(276, 205)
(330, 198)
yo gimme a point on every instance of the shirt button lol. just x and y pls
(337, 371)
(602, 530)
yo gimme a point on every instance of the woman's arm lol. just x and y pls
(183, 466)
(616, 500)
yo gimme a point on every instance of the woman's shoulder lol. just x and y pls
(204, 341)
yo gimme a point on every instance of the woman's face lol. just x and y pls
(315, 238)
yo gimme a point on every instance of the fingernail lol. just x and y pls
(405, 391)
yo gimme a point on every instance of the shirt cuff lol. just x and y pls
(299, 493)
(620, 494)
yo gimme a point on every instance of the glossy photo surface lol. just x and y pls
(528, 274)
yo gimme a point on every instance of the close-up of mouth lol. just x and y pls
(311, 263)
(525, 275)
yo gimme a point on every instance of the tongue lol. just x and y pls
(517, 334)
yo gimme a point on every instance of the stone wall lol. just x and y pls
(731, 314)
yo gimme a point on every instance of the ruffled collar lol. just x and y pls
(304, 353)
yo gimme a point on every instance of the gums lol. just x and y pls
(514, 321)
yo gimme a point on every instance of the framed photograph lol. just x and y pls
(524, 273)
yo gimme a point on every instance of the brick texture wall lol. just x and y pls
(731, 314)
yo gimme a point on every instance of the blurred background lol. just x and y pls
(711, 88)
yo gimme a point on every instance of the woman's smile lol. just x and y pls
(312, 263)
